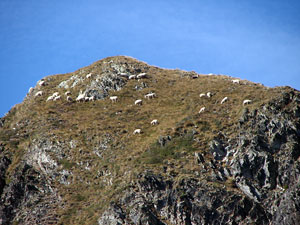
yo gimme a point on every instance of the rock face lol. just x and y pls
(78, 162)
(189, 202)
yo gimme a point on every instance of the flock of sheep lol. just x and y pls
(81, 97)
(225, 99)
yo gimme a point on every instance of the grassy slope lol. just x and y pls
(176, 108)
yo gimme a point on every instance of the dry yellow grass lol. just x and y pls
(176, 108)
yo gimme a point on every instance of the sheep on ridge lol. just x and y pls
(80, 97)
(92, 98)
(138, 102)
(202, 110)
(55, 94)
(224, 100)
(202, 95)
(137, 131)
(246, 101)
(57, 98)
(154, 122)
(50, 98)
(113, 98)
(132, 77)
(39, 93)
(42, 83)
(236, 81)
(150, 95)
(141, 75)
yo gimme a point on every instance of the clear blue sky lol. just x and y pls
(258, 40)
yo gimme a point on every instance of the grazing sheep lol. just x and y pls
(88, 75)
(202, 110)
(224, 100)
(150, 95)
(138, 102)
(141, 75)
(137, 131)
(132, 77)
(236, 81)
(80, 97)
(57, 98)
(86, 98)
(154, 122)
(92, 98)
(202, 95)
(55, 94)
(39, 93)
(113, 98)
(50, 98)
(42, 83)
(68, 93)
(208, 94)
(69, 99)
(246, 102)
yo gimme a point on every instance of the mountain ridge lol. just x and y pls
(78, 162)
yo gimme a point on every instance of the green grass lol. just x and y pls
(66, 163)
(157, 154)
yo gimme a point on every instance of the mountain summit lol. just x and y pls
(123, 142)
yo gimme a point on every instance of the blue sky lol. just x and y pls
(254, 40)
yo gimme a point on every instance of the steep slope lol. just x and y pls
(78, 162)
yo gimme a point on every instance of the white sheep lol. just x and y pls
(208, 94)
(150, 95)
(113, 98)
(68, 93)
(50, 98)
(141, 75)
(80, 97)
(88, 75)
(86, 98)
(236, 81)
(55, 94)
(92, 98)
(202, 110)
(224, 100)
(246, 101)
(42, 83)
(39, 93)
(69, 99)
(132, 77)
(202, 95)
(137, 131)
(138, 102)
(57, 98)
(154, 122)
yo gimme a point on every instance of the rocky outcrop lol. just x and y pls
(29, 192)
(156, 200)
(68, 162)
(262, 162)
